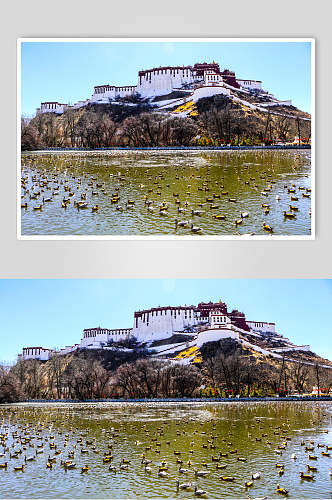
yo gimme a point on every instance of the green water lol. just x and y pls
(191, 180)
(197, 431)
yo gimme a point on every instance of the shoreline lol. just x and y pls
(180, 400)
(176, 148)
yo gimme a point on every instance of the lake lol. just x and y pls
(128, 187)
(247, 434)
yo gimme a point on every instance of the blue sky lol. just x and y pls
(67, 71)
(53, 313)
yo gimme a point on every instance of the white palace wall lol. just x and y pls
(213, 335)
(96, 337)
(206, 322)
(262, 327)
(35, 353)
(219, 320)
(162, 81)
(209, 91)
(104, 94)
(292, 348)
(163, 323)
(52, 107)
(250, 84)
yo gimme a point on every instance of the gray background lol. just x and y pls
(154, 259)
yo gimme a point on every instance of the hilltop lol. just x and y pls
(262, 347)
(203, 345)
(181, 365)
(201, 116)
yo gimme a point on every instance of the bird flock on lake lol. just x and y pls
(169, 198)
(181, 455)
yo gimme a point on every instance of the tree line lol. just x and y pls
(83, 377)
(96, 129)
(218, 121)
(226, 368)
(234, 370)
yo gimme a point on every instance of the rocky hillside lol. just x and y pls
(186, 117)
(182, 365)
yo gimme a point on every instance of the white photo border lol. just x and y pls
(193, 238)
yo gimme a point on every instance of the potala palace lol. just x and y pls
(200, 80)
(203, 323)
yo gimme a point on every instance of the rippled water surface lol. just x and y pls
(190, 180)
(171, 432)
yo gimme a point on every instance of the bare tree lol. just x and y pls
(127, 380)
(30, 376)
(250, 375)
(108, 128)
(281, 373)
(30, 136)
(10, 387)
(186, 379)
(282, 125)
(149, 376)
(131, 131)
(298, 129)
(166, 383)
(56, 367)
(69, 123)
(299, 374)
(317, 374)
(182, 130)
(101, 379)
(211, 368)
(268, 119)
